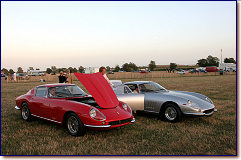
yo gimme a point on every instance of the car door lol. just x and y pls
(135, 101)
(40, 103)
(55, 104)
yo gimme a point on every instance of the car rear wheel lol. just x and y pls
(171, 113)
(74, 125)
(25, 112)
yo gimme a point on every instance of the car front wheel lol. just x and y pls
(74, 125)
(25, 112)
(171, 113)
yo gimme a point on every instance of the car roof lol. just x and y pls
(137, 82)
(55, 84)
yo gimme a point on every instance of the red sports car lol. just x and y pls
(68, 105)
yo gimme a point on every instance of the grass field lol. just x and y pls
(215, 135)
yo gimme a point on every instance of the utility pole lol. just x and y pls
(221, 56)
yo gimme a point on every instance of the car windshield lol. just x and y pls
(65, 91)
(151, 87)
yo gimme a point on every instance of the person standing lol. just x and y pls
(8, 77)
(14, 76)
(102, 70)
(69, 77)
(62, 78)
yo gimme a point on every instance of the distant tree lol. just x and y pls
(152, 65)
(81, 69)
(117, 68)
(125, 67)
(129, 67)
(20, 70)
(202, 62)
(75, 70)
(173, 66)
(11, 71)
(133, 66)
(229, 60)
(212, 61)
(37, 69)
(107, 68)
(71, 69)
(48, 70)
(54, 69)
(31, 68)
(209, 61)
(5, 71)
(61, 69)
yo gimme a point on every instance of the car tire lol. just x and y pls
(74, 125)
(171, 113)
(25, 112)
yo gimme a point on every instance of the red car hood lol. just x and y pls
(99, 88)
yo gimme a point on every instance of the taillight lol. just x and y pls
(97, 115)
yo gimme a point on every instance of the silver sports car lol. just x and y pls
(170, 105)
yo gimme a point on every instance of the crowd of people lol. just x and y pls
(10, 77)
(63, 77)
(68, 77)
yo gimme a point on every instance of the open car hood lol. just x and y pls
(99, 88)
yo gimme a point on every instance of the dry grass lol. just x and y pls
(215, 135)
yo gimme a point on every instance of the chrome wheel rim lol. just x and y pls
(73, 125)
(25, 113)
(171, 113)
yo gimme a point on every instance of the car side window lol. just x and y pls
(142, 88)
(41, 92)
(132, 86)
(127, 90)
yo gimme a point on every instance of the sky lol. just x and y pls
(94, 34)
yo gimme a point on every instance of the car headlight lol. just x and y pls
(193, 105)
(127, 108)
(189, 102)
(92, 113)
(97, 115)
(209, 100)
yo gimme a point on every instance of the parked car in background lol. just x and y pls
(203, 71)
(167, 104)
(2, 75)
(22, 76)
(110, 72)
(143, 71)
(230, 70)
(193, 71)
(212, 69)
(181, 72)
(68, 105)
(35, 73)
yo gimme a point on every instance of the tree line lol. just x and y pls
(128, 67)
(213, 61)
(54, 70)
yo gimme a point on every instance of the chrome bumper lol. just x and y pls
(133, 120)
(17, 108)
(104, 126)
(201, 113)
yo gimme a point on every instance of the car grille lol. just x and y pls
(120, 121)
(209, 111)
